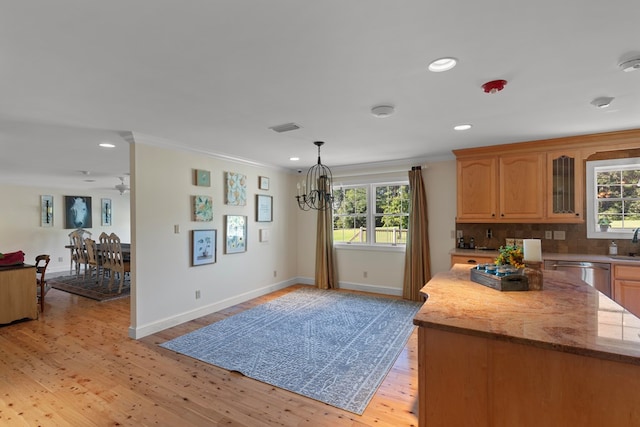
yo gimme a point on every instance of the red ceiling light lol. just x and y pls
(494, 86)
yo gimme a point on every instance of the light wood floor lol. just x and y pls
(76, 366)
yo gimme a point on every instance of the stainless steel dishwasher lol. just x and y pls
(596, 274)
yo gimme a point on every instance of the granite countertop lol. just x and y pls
(564, 316)
(552, 256)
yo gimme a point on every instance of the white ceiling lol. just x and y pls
(215, 75)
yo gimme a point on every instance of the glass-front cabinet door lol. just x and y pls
(565, 185)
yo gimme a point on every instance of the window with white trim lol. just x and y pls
(613, 198)
(372, 214)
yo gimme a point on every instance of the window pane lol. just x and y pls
(392, 214)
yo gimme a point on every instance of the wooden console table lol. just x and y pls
(18, 293)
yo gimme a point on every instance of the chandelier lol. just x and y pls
(316, 192)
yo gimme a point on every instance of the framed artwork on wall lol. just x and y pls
(264, 208)
(235, 234)
(78, 212)
(105, 211)
(203, 247)
(263, 182)
(202, 208)
(236, 189)
(203, 178)
(46, 209)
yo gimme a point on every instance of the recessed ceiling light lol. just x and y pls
(462, 127)
(442, 64)
(294, 159)
(106, 145)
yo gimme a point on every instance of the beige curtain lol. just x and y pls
(417, 270)
(326, 273)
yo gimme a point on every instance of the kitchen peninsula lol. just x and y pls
(566, 355)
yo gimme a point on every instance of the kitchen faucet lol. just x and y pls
(635, 235)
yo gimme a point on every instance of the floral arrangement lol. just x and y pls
(510, 254)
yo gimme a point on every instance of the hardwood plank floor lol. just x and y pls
(76, 366)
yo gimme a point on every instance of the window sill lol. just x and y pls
(373, 248)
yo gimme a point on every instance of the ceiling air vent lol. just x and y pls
(285, 127)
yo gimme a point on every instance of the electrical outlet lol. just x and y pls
(176, 229)
(459, 234)
(548, 234)
(198, 294)
(489, 233)
(558, 235)
(365, 274)
(60, 259)
(275, 273)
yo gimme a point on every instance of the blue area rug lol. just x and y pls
(335, 347)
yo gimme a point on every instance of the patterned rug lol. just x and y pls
(335, 347)
(89, 288)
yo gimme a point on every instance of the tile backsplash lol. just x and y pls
(575, 241)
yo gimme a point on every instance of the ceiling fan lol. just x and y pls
(122, 187)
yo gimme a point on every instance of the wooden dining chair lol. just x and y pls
(80, 254)
(83, 234)
(93, 258)
(105, 256)
(42, 261)
(118, 264)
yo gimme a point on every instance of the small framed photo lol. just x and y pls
(203, 178)
(264, 208)
(203, 243)
(202, 208)
(105, 211)
(263, 182)
(235, 234)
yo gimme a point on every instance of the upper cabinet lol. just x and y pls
(534, 182)
(477, 193)
(565, 185)
(521, 178)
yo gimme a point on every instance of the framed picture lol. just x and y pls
(263, 182)
(236, 191)
(105, 211)
(202, 208)
(46, 209)
(235, 234)
(203, 178)
(203, 243)
(78, 212)
(264, 208)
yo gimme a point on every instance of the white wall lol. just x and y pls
(20, 222)
(165, 282)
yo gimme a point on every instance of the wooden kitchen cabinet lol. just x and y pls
(501, 188)
(521, 178)
(471, 259)
(477, 194)
(565, 185)
(626, 287)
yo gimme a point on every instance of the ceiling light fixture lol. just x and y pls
(494, 86)
(462, 127)
(382, 111)
(316, 192)
(442, 64)
(630, 65)
(107, 145)
(122, 187)
(602, 102)
(294, 159)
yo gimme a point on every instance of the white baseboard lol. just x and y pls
(364, 287)
(169, 322)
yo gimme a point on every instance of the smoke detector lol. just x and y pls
(630, 65)
(494, 86)
(602, 102)
(382, 111)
